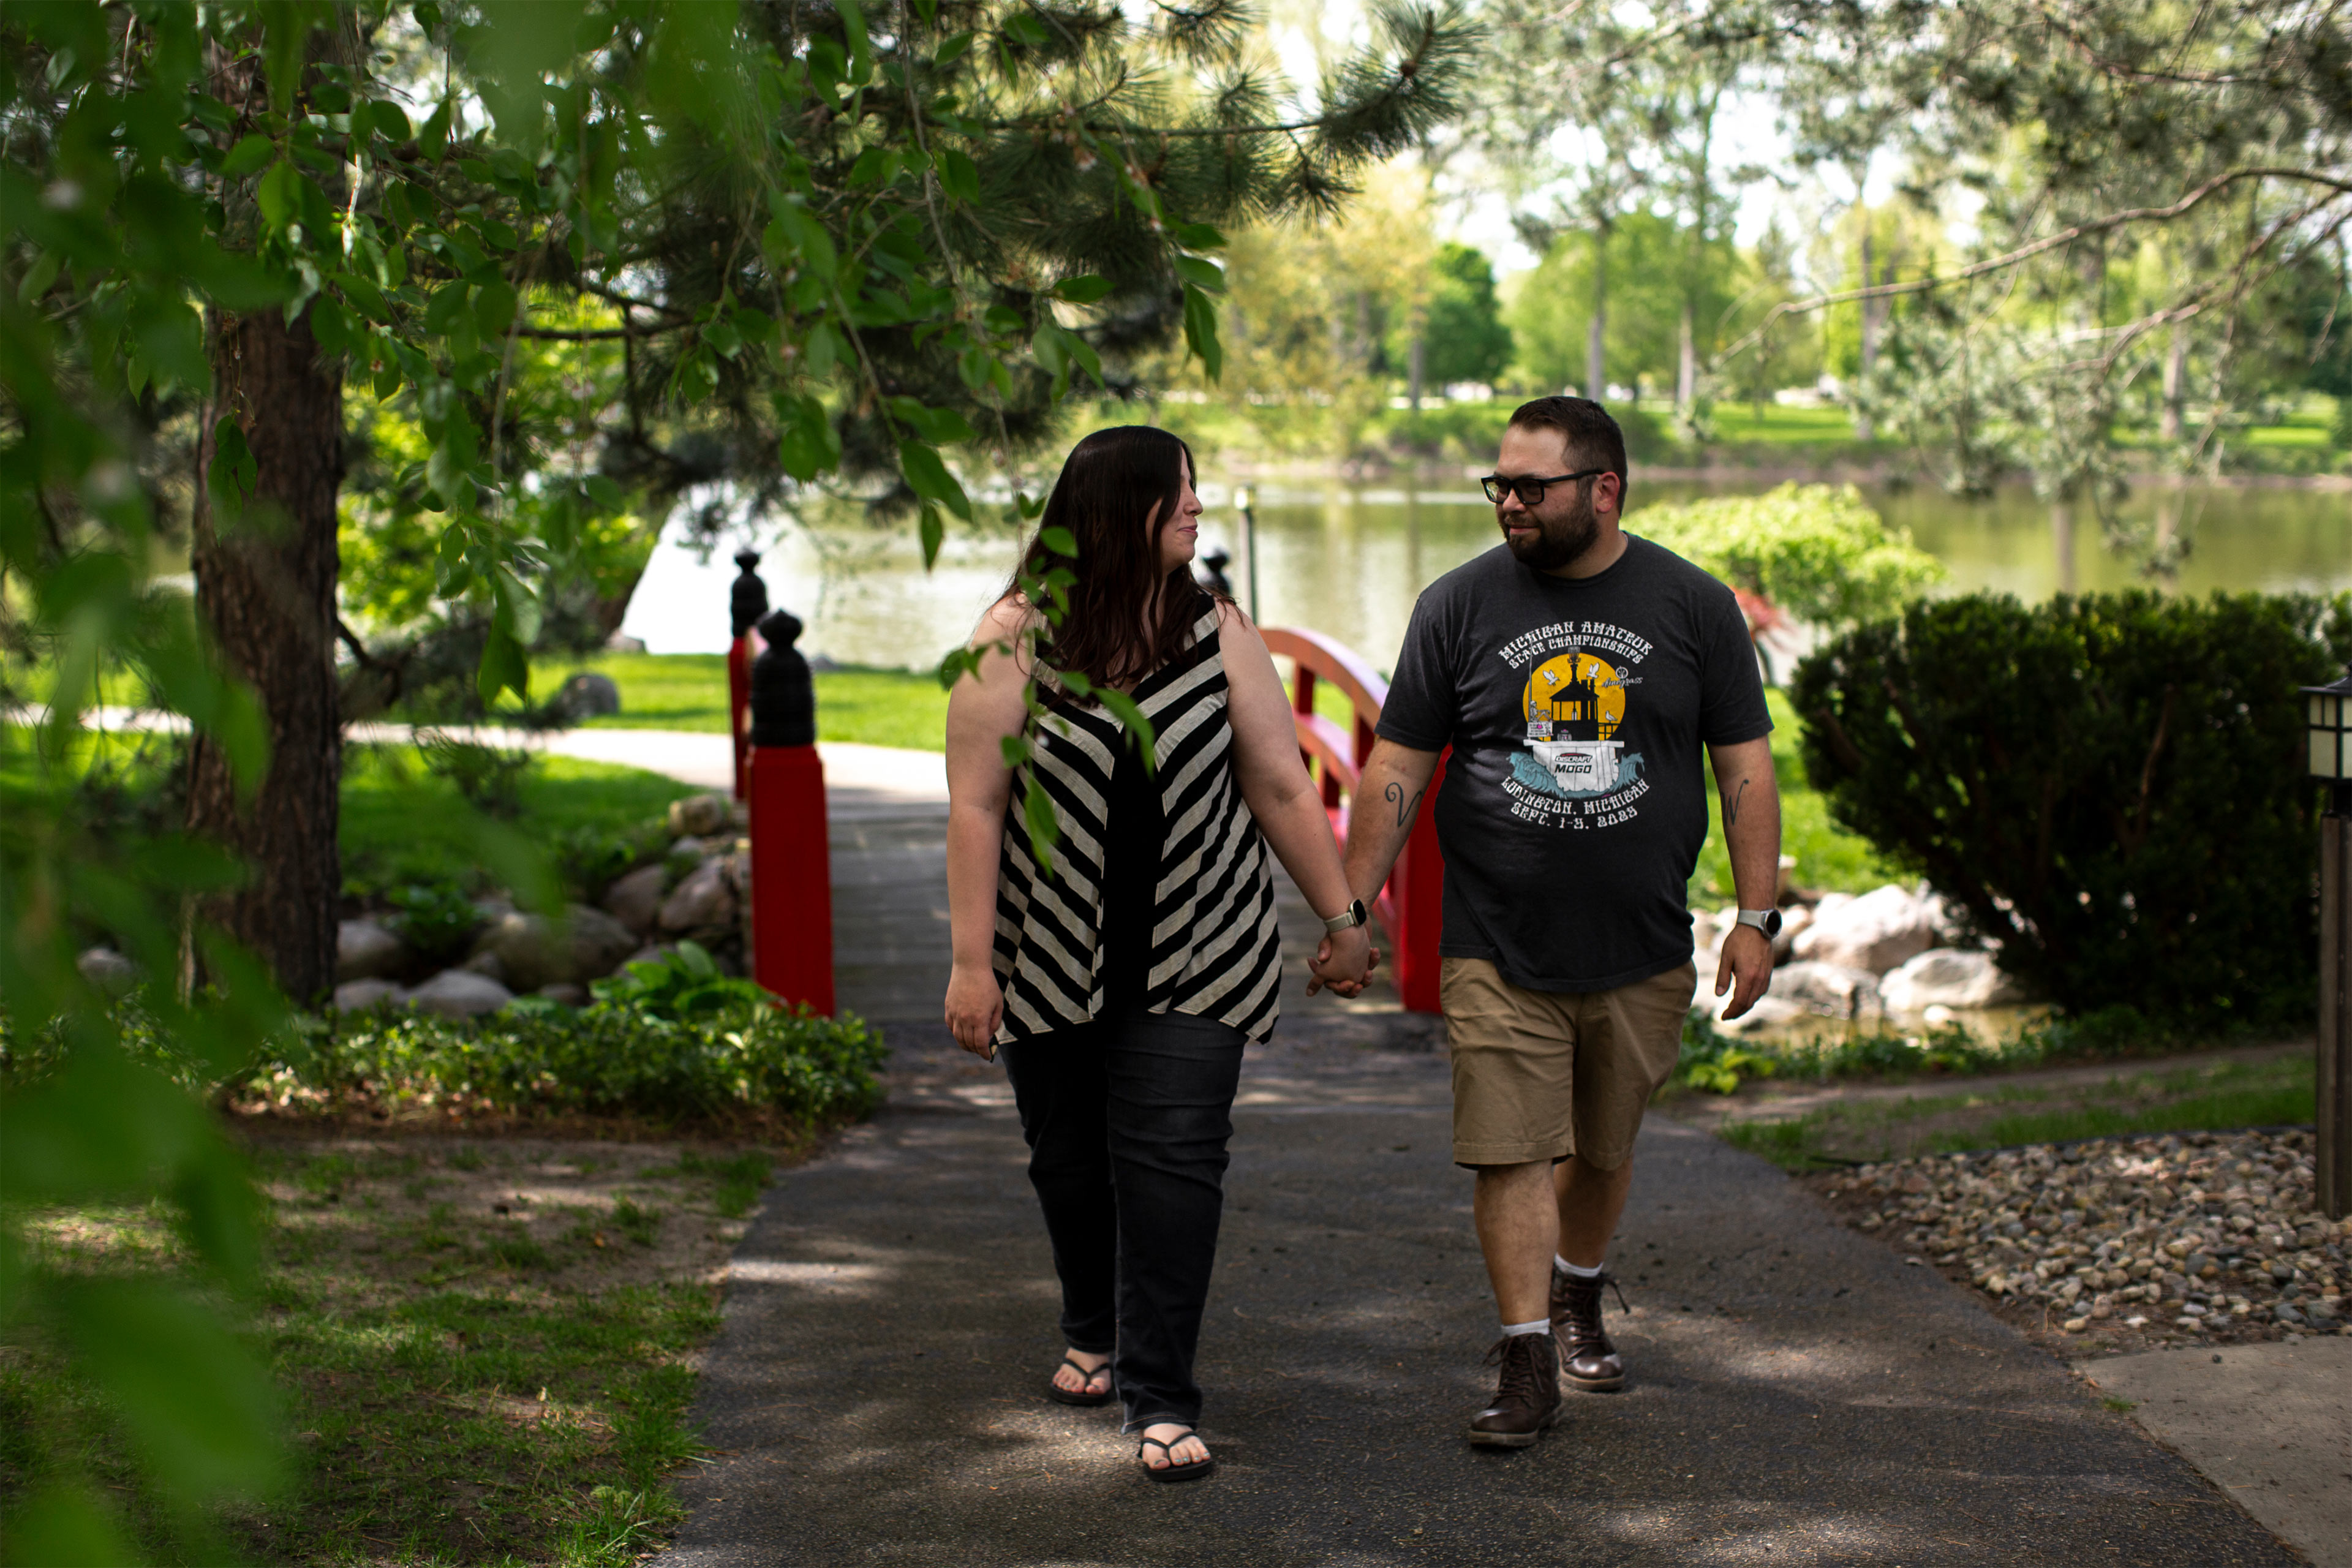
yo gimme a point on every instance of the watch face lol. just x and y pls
(1772, 923)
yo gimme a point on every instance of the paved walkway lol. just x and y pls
(1798, 1395)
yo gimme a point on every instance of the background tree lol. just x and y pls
(1462, 332)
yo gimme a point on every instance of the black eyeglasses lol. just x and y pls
(1531, 491)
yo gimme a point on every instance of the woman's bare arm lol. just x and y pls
(1282, 797)
(983, 710)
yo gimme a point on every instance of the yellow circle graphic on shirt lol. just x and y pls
(1579, 694)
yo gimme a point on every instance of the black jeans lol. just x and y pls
(1127, 1119)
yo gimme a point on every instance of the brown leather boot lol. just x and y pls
(1527, 1398)
(1587, 1358)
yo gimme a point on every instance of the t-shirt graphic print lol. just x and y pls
(1579, 710)
(1575, 700)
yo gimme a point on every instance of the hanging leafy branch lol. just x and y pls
(865, 246)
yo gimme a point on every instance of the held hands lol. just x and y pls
(1747, 958)
(1344, 961)
(975, 1007)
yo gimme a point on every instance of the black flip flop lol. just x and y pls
(1171, 1472)
(1060, 1395)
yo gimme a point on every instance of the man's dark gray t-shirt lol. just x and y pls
(1575, 803)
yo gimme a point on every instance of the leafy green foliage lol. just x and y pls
(1817, 551)
(2113, 786)
(686, 984)
(489, 777)
(743, 1060)
(435, 919)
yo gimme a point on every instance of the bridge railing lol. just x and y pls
(1410, 906)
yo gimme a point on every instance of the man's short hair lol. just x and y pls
(1593, 439)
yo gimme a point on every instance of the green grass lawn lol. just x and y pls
(689, 691)
(1742, 424)
(483, 1348)
(402, 825)
(2208, 1097)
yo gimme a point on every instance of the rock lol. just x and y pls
(701, 815)
(460, 994)
(359, 996)
(1770, 1012)
(490, 964)
(703, 899)
(107, 970)
(566, 992)
(635, 900)
(1794, 921)
(587, 695)
(365, 949)
(1827, 989)
(535, 953)
(1949, 977)
(1876, 931)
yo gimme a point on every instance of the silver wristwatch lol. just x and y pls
(1765, 920)
(1353, 915)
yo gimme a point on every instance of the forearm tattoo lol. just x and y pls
(1731, 805)
(1394, 796)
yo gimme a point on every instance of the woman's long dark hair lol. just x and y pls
(1126, 617)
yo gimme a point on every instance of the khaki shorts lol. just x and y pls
(1541, 1075)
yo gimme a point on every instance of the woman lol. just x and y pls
(1123, 978)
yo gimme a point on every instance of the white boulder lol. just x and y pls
(365, 949)
(359, 996)
(635, 900)
(701, 815)
(1828, 989)
(1878, 932)
(702, 900)
(1949, 977)
(460, 994)
(107, 970)
(533, 951)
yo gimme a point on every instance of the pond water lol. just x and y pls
(1349, 562)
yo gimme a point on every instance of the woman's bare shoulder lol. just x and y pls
(1004, 621)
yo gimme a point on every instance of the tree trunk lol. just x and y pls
(2062, 543)
(1864, 429)
(2176, 383)
(1686, 370)
(1414, 366)
(266, 588)
(1596, 378)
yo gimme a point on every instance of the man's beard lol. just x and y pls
(1558, 541)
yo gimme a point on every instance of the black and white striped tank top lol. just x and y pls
(1215, 948)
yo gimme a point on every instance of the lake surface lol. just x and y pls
(1349, 562)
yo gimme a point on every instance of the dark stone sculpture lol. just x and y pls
(749, 601)
(783, 693)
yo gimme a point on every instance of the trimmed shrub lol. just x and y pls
(1818, 552)
(2112, 786)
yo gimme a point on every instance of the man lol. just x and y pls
(1576, 672)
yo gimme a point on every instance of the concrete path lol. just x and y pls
(2270, 1423)
(1798, 1395)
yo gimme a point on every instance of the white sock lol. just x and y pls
(1540, 1326)
(1572, 1271)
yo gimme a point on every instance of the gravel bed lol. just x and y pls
(2128, 1243)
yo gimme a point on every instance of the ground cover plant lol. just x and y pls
(482, 1346)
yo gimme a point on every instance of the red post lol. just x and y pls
(792, 876)
(738, 711)
(1418, 887)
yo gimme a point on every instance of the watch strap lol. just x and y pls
(1353, 915)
